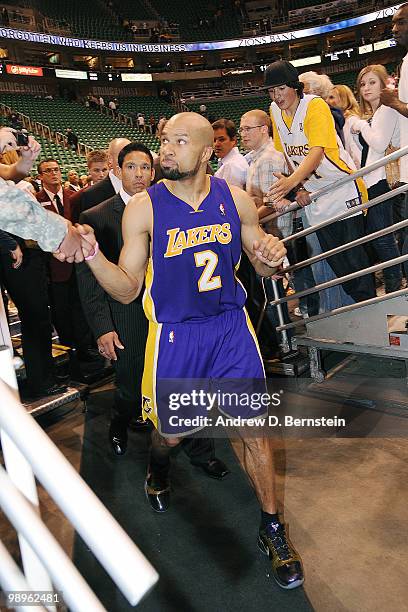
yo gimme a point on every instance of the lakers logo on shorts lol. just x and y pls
(146, 404)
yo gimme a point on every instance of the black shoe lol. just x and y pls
(118, 439)
(214, 468)
(53, 389)
(138, 424)
(286, 563)
(157, 488)
(88, 355)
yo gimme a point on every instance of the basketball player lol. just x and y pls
(303, 129)
(188, 230)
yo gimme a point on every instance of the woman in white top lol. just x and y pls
(378, 129)
(343, 98)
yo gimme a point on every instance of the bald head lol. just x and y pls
(185, 146)
(400, 25)
(196, 126)
(115, 147)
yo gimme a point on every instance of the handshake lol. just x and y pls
(78, 245)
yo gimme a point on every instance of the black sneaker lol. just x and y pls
(157, 488)
(286, 563)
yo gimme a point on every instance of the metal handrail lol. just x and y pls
(12, 579)
(342, 309)
(341, 279)
(339, 183)
(362, 207)
(66, 577)
(87, 514)
(44, 130)
(349, 245)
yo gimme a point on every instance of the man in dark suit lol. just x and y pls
(121, 329)
(109, 186)
(73, 181)
(66, 311)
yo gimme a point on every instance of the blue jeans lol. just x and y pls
(405, 234)
(380, 217)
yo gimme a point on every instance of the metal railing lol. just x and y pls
(40, 129)
(277, 301)
(27, 450)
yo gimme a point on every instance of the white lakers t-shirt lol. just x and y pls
(313, 126)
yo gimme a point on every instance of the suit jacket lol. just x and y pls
(60, 271)
(99, 307)
(91, 196)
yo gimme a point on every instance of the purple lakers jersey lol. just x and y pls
(194, 256)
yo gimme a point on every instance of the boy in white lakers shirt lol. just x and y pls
(304, 131)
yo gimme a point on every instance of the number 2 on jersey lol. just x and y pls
(207, 282)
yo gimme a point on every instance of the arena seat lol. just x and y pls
(67, 159)
(148, 105)
(232, 109)
(134, 9)
(84, 19)
(92, 128)
(187, 15)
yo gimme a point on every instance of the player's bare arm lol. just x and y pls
(124, 281)
(266, 252)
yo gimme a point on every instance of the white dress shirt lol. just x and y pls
(233, 168)
(124, 195)
(51, 195)
(116, 183)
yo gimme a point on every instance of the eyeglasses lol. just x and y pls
(245, 130)
(51, 171)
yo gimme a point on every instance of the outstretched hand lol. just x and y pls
(279, 188)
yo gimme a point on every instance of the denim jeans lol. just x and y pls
(331, 298)
(405, 235)
(379, 217)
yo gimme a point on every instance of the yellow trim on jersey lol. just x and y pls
(253, 334)
(147, 301)
(334, 157)
(166, 181)
(236, 207)
(236, 268)
(276, 138)
(236, 277)
(149, 403)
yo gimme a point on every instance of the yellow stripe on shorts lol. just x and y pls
(149, 405)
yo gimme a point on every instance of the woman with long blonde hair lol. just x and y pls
(378, 128)
(343, 98)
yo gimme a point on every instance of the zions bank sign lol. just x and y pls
(254, 41)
